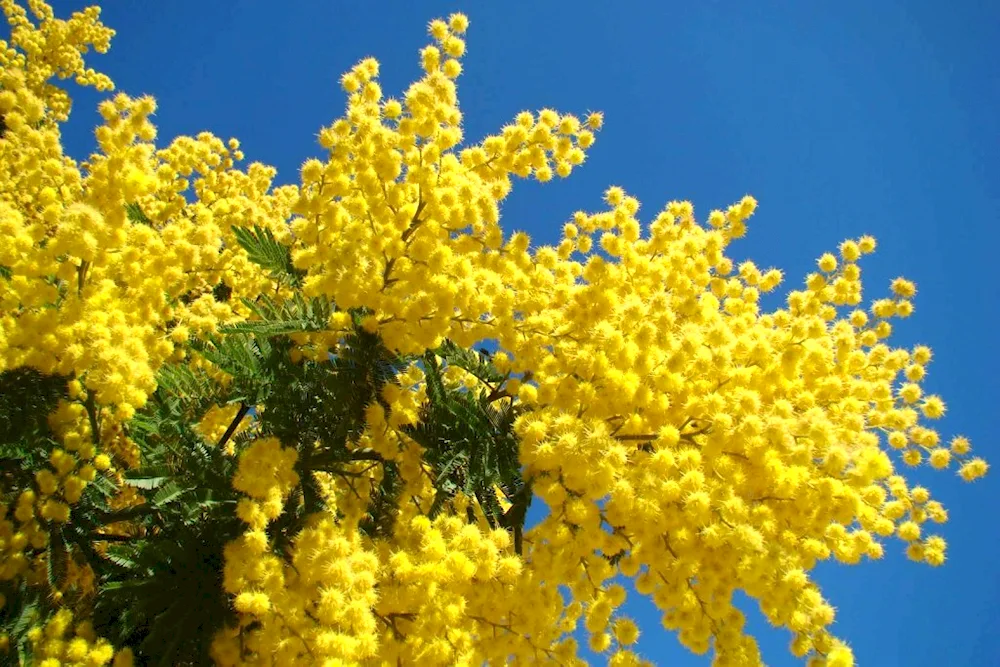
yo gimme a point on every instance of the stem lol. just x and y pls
(415, 222)
(109, 537)
(497, 393)
(390, 622)
(81, 276)
(95, 430)
(637, 436)
(366, 455)
(126, 514)
(244, 409)
(336, 456)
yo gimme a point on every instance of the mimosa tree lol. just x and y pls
(303, 424)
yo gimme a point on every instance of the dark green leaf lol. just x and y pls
(122, 556)
(167, 493)
(56, 558)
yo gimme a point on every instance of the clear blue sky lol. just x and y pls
(841, 118)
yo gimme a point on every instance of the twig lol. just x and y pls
(91, 406)
(244, 409)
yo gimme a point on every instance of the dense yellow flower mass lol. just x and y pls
(681, 435)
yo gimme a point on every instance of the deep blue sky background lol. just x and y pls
(841, 118)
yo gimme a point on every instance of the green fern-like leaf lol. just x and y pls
(182, 380)
(148, 477)
(165, 598)
(168, 493)
(25, 608)
(292, 316)
(249, 359)
(470, 444)
(265, 251)
(56, 558)
(135, 214)
(122, 555)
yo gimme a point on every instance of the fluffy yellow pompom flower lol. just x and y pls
(960, 445)
(595, 120)
(600, 642)
(614, 196)
(840, 656)
(458, 23)
(392, 108)
(438, 29)
(626, 631)
(940, 458)
(827, 263)
(909, 531)
(850, 251)
(933, 407)
(452, 68)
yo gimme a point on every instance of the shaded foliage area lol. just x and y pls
(158, 563)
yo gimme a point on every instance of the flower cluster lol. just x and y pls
(59, 643)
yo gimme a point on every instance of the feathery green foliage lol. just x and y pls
(157, 565)
(263, 249)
